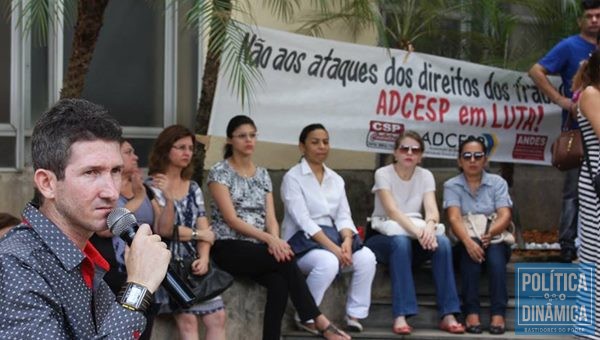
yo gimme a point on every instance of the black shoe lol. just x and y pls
(567, 255)
(474, 329)
(496, 330)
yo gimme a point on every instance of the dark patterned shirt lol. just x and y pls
(50, 289)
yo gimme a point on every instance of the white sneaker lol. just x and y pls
(353, 325)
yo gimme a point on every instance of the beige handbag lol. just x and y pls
(478, 225)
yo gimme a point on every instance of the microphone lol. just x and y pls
(122, 222)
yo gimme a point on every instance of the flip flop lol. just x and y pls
(402, 330)
(456, 328)
(303, 327)
(333, 330)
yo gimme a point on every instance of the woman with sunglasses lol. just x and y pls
(180, 203)
(476, 191)
(247, 233)
(404, 189)
(317, 211)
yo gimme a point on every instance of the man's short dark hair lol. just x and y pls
(67, 122)
(590, 4)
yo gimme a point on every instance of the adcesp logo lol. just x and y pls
(491, 142)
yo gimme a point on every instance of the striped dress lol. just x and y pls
(589, 214)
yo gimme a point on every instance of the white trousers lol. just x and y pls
(322, 266)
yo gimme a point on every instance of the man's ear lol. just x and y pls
(45, 182)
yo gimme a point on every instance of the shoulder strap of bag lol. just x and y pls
(175, 241)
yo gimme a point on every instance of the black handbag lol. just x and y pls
(301, 243)
(205, 287)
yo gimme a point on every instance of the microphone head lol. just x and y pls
(119, 220)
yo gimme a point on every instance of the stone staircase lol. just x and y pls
(245, 302)
(378, 324)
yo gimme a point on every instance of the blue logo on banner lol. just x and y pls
(554, 299)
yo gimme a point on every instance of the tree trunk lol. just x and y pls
(207, 96)
(90, 17)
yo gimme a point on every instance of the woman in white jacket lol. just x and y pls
(319, 227)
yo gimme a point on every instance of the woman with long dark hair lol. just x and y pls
(589, 202)
(181, 205)
(247, 233)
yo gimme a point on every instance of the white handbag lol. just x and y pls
(389, 227)
(478, 225)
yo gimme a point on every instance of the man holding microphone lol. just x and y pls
(51, 282)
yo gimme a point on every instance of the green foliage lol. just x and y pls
(38, 16)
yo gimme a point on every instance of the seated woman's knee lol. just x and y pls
(328, 262)
(187, 322)
(364, 258)
(215, 320)
(443, 243)
(401, 242)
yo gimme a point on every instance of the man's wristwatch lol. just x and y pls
(195, 235)
(134, 296)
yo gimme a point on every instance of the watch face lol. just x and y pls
(135, 295)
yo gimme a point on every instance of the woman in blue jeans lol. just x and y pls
(402, 190)
(475, 191)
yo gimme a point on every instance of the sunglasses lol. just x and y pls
(469, 155)
(414, 149)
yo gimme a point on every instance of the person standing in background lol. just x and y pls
(564, 59)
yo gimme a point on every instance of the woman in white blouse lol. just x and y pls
(315, 202)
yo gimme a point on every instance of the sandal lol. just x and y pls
(402, 330)
(455, 328)
(303, 327)
(331, 328)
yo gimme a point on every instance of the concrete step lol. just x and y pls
(380, 314)
(424, 334)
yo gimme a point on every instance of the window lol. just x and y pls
(7, 130)
(126, 72)
(5, 50)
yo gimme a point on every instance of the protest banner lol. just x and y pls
(365, 96)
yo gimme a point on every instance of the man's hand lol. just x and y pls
(147, 259)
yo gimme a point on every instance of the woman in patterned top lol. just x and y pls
(181, 205)
(247, 233)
